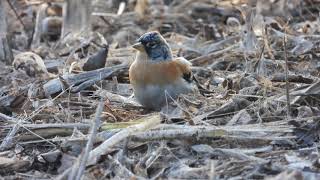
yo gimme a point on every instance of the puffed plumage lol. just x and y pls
(155, 75)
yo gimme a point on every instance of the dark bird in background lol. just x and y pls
(155, 75)
(51, 28)
(51, 24)
(98, 60)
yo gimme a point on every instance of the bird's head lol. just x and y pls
(155, 46)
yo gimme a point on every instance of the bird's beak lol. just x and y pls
(138, 46)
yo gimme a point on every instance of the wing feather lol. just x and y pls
(185, 67)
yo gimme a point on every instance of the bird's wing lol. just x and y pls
(183, 60)
(184, 66)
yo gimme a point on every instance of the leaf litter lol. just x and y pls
(55, 125)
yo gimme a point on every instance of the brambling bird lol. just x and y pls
(155, 75)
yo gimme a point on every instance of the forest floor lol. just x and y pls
(258, 117)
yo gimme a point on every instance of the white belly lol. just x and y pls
(156, 96)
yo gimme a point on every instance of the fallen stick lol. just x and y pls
(47, 130)
(55, 85)
(149, 122)
(179, 134)
(94, 156)
(78, 169)
(169, 132)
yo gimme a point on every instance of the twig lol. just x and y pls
(169, 132)
(127, 102)
(118, 168)
(149, 122)
(287, 74)
(209, 57)
(7, 142)
(6, 117)
(178, 134)
(11, 134)
(80, 126)
(53, 86)
(41, 131)
(257, 63)
(18, 17)
(266, 43)
(78, 169)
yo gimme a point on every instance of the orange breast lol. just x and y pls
(144, 72)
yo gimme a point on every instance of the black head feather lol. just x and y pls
(156, 46)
